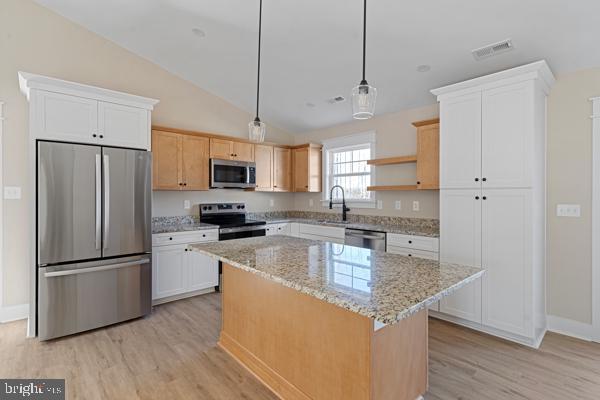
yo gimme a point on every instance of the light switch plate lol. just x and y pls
(568, 210)
(12, 192)
(379, 204)
(398, 205)
(311, 202)
(186, 204)
(416, 205)
(271, 202)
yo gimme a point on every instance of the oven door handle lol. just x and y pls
(242, 229)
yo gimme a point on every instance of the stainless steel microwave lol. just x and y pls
(227, 174)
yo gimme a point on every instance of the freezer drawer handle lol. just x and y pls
(95, 269)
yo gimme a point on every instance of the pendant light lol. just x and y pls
(257, 128)
(363, 95)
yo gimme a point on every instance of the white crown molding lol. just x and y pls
(28, 81)
(536, 70)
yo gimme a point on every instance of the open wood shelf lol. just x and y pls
(392, 187)
(393, 160)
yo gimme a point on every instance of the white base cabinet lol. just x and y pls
(177, 271)
(278, 229)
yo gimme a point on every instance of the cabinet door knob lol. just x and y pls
(410, 255)
(170, 238)
(185, 249)
(410, 242)
(418, 182)
(203, 235)
(94, 135)
(484, 198)
(101, 136)
(476, 197)
(484, 179)
(476, 179)
(185, 184)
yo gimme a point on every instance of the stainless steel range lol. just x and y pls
(231, 219)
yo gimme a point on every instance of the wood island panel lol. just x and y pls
(305, 348)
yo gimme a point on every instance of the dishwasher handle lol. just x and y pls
(363, 236)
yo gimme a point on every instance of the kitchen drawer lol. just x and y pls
(413, 242)
(430, 255)
(326, 231)
(207, 235)
(322, 238)
(278, 229)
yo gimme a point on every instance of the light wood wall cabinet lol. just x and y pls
(428, 154)
(231, 150)
(282, 169)
(263, 157)
(307, 169)
(492, 199)
(180, 162)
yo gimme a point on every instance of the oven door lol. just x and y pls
(232, 174)
(242, 232)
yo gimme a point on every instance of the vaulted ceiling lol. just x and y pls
(312, 48)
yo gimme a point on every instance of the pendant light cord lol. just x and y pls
(364, 39)
(258, 74)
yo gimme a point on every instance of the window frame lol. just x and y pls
(339, 144)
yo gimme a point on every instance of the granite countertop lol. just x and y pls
(383, 286)
(401, 229)
(181, 227)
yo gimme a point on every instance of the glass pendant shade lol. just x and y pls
(363, 101)
(256, 131)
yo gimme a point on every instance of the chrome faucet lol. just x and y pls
(331, 203)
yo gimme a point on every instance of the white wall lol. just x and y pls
(395, 136)
(37, 40)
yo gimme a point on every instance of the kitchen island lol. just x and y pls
(319, 320)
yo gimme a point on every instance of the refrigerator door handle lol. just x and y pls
(106, 200)
(98, 202)
(95, 269)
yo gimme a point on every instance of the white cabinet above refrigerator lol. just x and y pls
(72, 112)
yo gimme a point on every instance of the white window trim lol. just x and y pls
(341, 142)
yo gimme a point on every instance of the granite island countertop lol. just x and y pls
(383, 286)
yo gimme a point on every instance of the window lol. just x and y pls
(345, 164)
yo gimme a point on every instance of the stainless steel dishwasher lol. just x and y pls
(365, 239)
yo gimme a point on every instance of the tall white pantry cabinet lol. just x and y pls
(493, 199)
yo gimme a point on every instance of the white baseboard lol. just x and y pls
(14, 313)
(571, 328)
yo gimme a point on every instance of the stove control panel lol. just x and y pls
(222, 208)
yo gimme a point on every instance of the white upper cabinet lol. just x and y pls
(66, 118)
(72, 112)
(460, 142)
(507, 136)
(123, 126)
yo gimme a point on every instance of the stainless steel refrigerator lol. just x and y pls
(94, 237)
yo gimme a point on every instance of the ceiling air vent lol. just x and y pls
(492, 49)
(336, 99)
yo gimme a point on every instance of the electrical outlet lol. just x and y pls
(398, 205)
(311, 202)
(271, 202)
(186, 204)
(12, 192)
(379, 204)
(568, 210)
(416, 205)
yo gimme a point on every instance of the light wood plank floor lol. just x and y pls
(173, 355)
